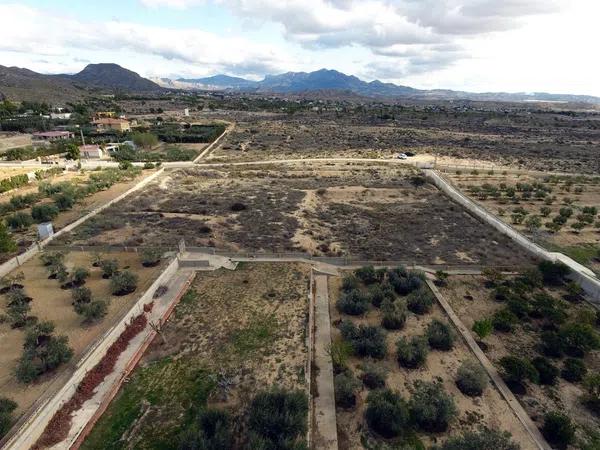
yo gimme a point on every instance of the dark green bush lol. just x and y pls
(373, 376)
(109, 267)
(547, 307)
(552, 345)
(7, 406)
(516, 371)
(554, 273)
(471, 378)
(345, 390)
(277, 420)
(151, 257)
(19, 221)
(350, 283)
(367, 275)
(579, 338)
(393, 314)
(440, 336)
(44, 213)
(123, 283)
(518, 305)
(387, 413)
(366, 341)
(431, 407)
(504, 320)
(81, 296)
(353, 302)
(212, 430)
(412, 353)
(558, 430)
(405, 284)
(591, 399)
(79, 275)
(573, 370)
(93, 311)
(420, 301)
(380, 292)
(482, 328)
(484, 439)
(546, 370)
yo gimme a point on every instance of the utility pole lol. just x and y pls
(82, 138)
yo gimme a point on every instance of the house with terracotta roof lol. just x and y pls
(52, 135)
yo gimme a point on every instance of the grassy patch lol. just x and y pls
(583, 253)
(178, 388)
(256, 335)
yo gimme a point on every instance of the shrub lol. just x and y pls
(441, 278)
(109, 267)
(277, 420)
(387, 413)
(51, 258)
(151, 257)
(420, 301)
(350, 283)
(381, 292)
(551, 344)
(340, 351)
(19, 221)
(406, 282)
(482, 328)
(237, 207)
(79, 275)
(367, 274)
(518, 305)
(80, 296)
(7, 406)
(471, 379)
(345, 390)
(412, 354)
(44, 213)
(484, 439)
(211, 431)
(547, 307)
(592, 397)
(393, 314)
(354, 302)
(546, 370)
(553, 273)
(573, 370)
(64, 201)
(42, 352)
(366, 341)
(7, 243)
(123, 283)
(440, 336)
(93, 311)
(373, 376)
(504, 320)
(579, 338)
(431, 407)
(516, 371)
(558, 430)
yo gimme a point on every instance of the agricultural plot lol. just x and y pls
(368, 212)
(545, 342)
(78, 299)
(558, 212)
(234, 334)
(390, 334)
(60, 200)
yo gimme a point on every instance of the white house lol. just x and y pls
(61, 116)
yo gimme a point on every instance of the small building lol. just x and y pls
(52, 135)
(186, 112)
(120, 125)
(45, 230)
(60, 116)
(91, 151)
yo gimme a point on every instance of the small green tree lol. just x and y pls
(393, 314)
(471, 379)
(420, 301)
(558, 430)
(7, 406)
(123, 283)
(412, 353)
(44, 213)
(109, 267)
(151, 257)
(440, 336)
(482, 328)
(516, 371)
(387, 413)
(345, 390)
(7, 243)
(431, 407)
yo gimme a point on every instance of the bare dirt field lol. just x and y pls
(347, 209)
(559, 212)
(511, 135)
(12, 140)
(233, 334)
(52, 303)
(489, 410)
(472, 299)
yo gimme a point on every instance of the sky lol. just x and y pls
(471, 45)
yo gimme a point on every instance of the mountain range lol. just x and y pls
(24, 84)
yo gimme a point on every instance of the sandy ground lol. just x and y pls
(8, 141)
(50, 302)
(490, 409)
(539, 399)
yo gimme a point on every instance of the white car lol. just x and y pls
(402, 156)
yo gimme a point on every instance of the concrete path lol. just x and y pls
(506, 393)
(325, 432)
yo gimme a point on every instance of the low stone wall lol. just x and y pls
(30, 430)
(18, 260)
(582, 275)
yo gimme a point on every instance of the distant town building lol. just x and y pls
(121, 125)
(52, 135)
(60, 116)
(91, 151)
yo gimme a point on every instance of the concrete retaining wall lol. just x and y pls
(30, 431)
(18, 260)
(579, 273)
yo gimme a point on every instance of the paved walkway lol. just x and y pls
(325, 432)
(506, 393)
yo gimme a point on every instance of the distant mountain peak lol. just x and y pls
(113, 76)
